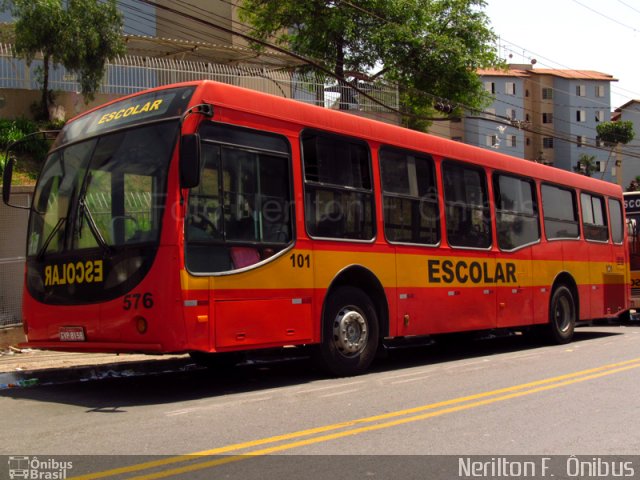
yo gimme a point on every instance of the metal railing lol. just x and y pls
(131, 74)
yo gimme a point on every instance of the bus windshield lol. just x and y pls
(103, 196)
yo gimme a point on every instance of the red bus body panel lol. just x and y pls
(277, 303)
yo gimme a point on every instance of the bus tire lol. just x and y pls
(562, 316)
(350, 332)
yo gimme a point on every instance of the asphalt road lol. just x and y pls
(497, 397)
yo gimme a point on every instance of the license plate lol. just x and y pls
(72, 334)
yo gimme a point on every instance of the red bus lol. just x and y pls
(211, 219)
(632, 212)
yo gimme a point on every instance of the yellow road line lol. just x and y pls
(454, 405)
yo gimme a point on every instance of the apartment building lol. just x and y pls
(629, 155)
(544, 115)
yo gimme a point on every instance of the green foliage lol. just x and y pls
(432, 46)
(79, 34)
(586, 165)
(15, 130)
(615, 133)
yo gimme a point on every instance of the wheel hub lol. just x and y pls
(350, 332)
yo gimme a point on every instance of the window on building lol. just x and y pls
(547, 118)
(489, 113)
(594, 217)
(511, 113)
(516, 211)
(492, 141)
(581, 116)
(581, 140)
(560, 212)
(599, 115)
(338, 187)
(512, 141)
(547, 142)
(599, 90)
(490, 87)
(467, 212)
(581, 90)
(510, 88)
(547, 93)
(410, 197)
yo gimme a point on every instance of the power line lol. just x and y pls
(497, 118)
(605, 16)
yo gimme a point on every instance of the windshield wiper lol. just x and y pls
(95, 231)
(46, 243)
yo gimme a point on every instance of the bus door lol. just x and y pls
(518, 233)
(515, 298)
(470, 275)
(603, 275)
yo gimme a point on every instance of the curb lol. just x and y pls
(86, 373)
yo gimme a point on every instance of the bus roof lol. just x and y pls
(303, 115)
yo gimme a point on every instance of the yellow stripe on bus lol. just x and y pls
(407, 271)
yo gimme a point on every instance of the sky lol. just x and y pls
(573, 34)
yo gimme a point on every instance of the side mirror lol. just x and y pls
(6, 184)
(190, 160)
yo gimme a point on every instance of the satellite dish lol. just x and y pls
(533, 61)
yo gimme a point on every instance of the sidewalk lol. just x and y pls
(28, 367)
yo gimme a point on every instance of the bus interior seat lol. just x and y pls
(244, 256)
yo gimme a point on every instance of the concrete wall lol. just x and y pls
(16, 103)
(13, 240)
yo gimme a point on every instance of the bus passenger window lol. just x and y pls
(338, 192)
(410, 197)
(516, 212)
(617, 226)
(240, 213)
(467, 212)
(560, 213)
(594, 218)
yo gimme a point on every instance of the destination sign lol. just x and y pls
(632, 203)
(146, 107)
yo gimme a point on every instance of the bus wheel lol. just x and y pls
(562, 316)
(350, 332)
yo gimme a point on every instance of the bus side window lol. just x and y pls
(594, 218)
(467, 211)
(338, 187)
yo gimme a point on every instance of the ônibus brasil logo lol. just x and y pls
(33, 468)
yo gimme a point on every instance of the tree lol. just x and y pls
(586, 165)
(613, 134)
(432, 46)
(81, 35)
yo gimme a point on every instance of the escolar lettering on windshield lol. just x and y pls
(132, 110)
(73, 273)
(449, 271)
